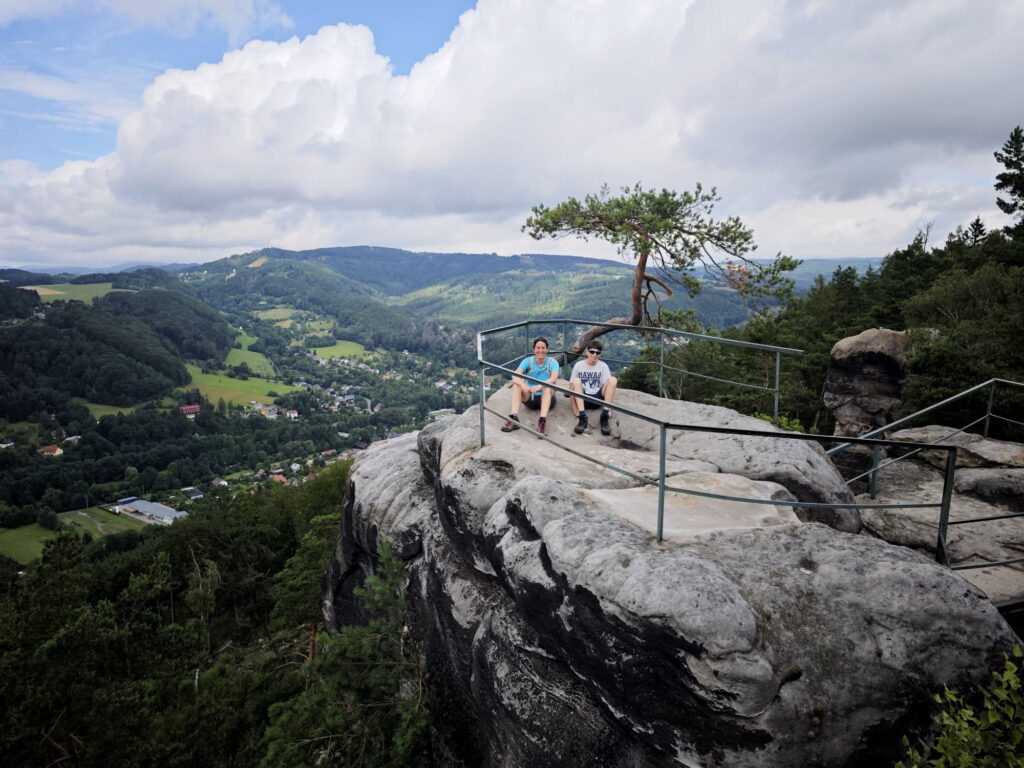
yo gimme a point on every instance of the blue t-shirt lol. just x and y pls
(530, 368)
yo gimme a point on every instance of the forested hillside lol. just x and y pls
(246, 284)
(182, 645)
(126, 348)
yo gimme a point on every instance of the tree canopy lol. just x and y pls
(668, 233)
(1011, 181)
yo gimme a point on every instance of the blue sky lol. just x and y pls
(109, 58)
(189, 130)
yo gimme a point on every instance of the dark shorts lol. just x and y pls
(533, 403)
(591, 406)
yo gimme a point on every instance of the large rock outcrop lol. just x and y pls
(557, 630)
(863, 389)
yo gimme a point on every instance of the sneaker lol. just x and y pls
(606, 428)
(542, 425)
(512, 423)
(581, 425)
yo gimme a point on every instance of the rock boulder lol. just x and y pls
(558, 631)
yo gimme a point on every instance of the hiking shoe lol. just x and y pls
(606, 428)
(512, 423)
(581, 425)
(542, 425)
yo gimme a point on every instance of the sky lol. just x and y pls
(190, 130)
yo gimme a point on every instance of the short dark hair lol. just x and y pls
(595, 344)
(539, 338)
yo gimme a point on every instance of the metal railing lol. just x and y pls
(664, 427)
(944, 522)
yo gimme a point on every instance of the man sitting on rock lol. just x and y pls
(591, 376)
(539, 366)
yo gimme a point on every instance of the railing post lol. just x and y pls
(565, 351)
(988, 411)
(947, 493)
(483, 385)
(778, 384)
(661, 366)
(873, 482)
(661, 486)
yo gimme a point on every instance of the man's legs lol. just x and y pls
(577, 405)
(607, 394)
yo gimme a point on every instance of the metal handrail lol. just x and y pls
(876, 467)
(664, 426)
(662, 333)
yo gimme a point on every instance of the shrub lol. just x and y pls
(988, 736)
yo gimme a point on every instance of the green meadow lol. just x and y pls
(98, 522)
(341, 349)
(257, 361)
(277, 313)
(217, 386)
(70, 292)
(24, 544)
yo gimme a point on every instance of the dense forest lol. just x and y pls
(126, 348)
(184, 646)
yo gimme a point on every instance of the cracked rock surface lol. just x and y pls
(558, 631)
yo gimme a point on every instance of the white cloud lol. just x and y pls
(833, 128)
(238, 18)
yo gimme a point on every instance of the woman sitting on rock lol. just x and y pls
(535, 396)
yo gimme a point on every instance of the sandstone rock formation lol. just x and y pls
(862, 389)
(557, 631)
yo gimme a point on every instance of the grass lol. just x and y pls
(284, 323)
(98, 522)
(68, 291)
(257, 361)
(217, 386)
(245, 339)
(342, 349)
(24, 544)
(277, 313)
(98, 410)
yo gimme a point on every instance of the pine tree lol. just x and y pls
(1011, 180)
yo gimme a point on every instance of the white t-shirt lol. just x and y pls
(592, 377)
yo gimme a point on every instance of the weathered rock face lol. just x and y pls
(557, 631)
(863, 389)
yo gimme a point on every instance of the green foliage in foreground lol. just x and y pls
(364, 702)
(987, 736)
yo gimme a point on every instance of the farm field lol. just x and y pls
(98, 522)
(342, 349)
(98, 410)
(24, 544)
(216, 386)
(257, 361)
(69, 292)
(277, 313)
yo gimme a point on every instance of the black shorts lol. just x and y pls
(591, 406)
(533, 403)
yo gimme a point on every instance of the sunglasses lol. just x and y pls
(594, 351)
